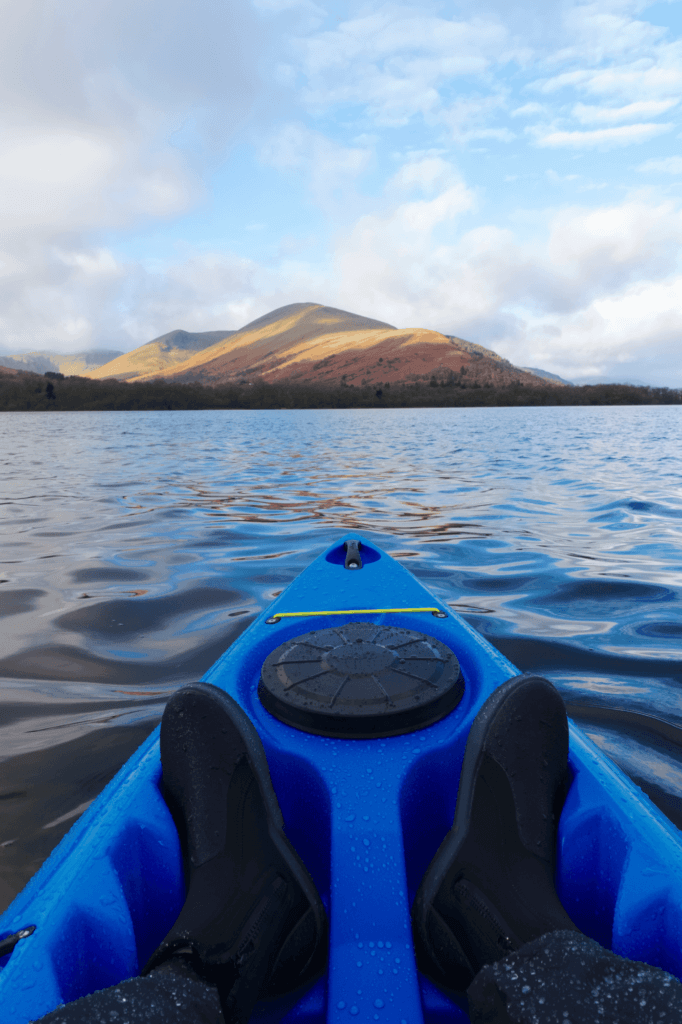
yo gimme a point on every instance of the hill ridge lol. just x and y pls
(309, 343)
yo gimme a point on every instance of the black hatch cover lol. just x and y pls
(361, 680)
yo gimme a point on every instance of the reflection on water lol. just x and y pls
(137, 546)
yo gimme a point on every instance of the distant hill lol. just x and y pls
(307, 343)
(69, 363)
(471, 346)
(546, 375)
(159, 355)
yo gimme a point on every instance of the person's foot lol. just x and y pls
(490, 887)
(253, 923)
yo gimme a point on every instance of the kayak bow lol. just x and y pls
(363, 688)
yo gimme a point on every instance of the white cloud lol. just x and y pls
(603, 246)
(629, 83)
(559, 179)
(466, 118)
(669, 165)
(331, 169)
(597, 34)
(625, 135)
(600, 115)
(391, 256)
(426, 174)
(392, 62)
(110, 114)
(529, 109)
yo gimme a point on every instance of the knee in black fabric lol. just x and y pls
(566, 978)
(168, 997)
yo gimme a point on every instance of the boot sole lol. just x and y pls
(536, 834)
(311, 929)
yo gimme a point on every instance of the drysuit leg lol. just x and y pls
(564, 977)
(172, 994)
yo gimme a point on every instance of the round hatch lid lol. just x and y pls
(361, 680)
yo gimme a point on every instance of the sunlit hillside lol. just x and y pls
(308, 343)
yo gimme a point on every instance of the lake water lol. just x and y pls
(137, 546)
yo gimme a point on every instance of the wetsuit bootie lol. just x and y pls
(252, 923)
(490, 887)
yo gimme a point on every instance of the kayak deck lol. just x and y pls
(366, 816)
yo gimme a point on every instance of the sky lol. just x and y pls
(510, 173)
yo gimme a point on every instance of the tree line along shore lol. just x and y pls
(52, 391)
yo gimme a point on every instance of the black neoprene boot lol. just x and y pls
(490, 887)
(252, 924)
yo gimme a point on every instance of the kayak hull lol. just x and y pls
(365, 815)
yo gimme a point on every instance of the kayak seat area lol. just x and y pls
(147, 849)
(103, 899)
(619, 873)
(366, 815)
(619, 870)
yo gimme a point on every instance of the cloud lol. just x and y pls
(625, 135)
(330, 169)
(669, 165)
(111, 114)
(629, 83)
(643, 108)
(597, 34)
(392, 255)
(392, 62)
(529, 109)
(559, 179)
(467, 116)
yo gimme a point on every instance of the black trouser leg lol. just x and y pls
(566, 978)
(171, 994)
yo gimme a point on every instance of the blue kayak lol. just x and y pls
(363, 688)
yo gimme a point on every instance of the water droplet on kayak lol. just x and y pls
(354, 1010)
(341, 1005)
(350, 817)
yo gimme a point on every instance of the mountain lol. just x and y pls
(70, 363)
(159, 355)
(313, 344)
(546, 375)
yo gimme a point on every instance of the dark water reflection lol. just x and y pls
(137, 546)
